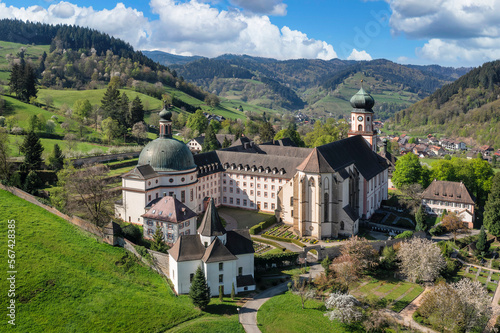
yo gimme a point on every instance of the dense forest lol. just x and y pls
(468, 107)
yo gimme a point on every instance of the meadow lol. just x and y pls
(69, 281)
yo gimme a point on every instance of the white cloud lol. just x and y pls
(191, 27)
(458, 31)
(359, 55)
(122, 22)
(270, 7)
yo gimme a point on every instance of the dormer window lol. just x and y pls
(154, 211)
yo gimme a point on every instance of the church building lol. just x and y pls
(322, 192)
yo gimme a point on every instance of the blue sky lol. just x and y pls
(445, 32)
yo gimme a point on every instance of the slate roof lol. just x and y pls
(448, 191)
(141, 172)
(350, 212)
(239, 242)
(315, 162)
(285, 142)
(186, 248)
(244, 280)
(217, 252)
(169, 209)
(342, 153)
(211, 224)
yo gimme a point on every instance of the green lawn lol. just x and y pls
(245, 218)
(284, 313)
(67, 281)
(48, 145)
(395, 293)
(94, 96)
(32, 52)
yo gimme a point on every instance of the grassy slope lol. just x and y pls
(69, 97)
(32, 52)
(284, 313)
(67, 281)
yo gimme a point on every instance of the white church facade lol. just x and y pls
(322, 192)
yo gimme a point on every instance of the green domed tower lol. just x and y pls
(362, 117)
(166, 153)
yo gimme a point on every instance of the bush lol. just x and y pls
(404, 235)
(437, 230)
(132, 233)
(256, 229)
(281, 259)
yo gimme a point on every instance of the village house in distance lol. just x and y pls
(322, 192)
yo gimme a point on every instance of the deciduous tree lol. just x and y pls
(197, 121)
(453, 223)
(303, 289)
(408, 170)
(420, 259)
(82, 108)
(345, 308)
(492, 208)
(157, 243)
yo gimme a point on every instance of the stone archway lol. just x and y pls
(319, 249)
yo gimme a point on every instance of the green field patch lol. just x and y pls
(284, 313)
(398, 292)
(407, 299)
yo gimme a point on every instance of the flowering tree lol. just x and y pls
(461, 306)
(420, 259)
(302, 289)
(356, 256)
(345, 308)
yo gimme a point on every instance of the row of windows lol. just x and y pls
(221, 276)
(272, 179)
(247, 204)
(171, 194)
(170, 180)
(447, 203)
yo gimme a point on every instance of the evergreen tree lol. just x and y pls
(199, 292)
(32, 183)
(110, 103)
(32, 149)
(210, 143)
(233, 292)
(4, 162)
(23, 81)
(136, 112)
(158, 244)
(56, 160)
(420, 219)
(325, 263)
(226, 143)
(266, 132)
(482, 244)
(124, 112)
(492, 208)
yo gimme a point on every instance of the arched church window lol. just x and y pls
(327, 205)
(342, 226)
(367, 118)
(311, 182)
(360, 128)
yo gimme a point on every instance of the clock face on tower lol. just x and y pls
(360, 118)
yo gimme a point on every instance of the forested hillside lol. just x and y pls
(322, 88)
(468, 107)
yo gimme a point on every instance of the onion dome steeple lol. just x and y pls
(165, 123)
(362, 100)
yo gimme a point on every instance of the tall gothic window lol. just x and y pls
(360, 128)
(327, 205)
(342, 226)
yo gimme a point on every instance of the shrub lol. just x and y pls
(404, 235)
(436, 230)
(132, 233)
(256, 229)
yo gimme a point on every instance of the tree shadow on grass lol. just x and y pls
(221, 309)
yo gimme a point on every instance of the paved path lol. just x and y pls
(231, 223)
(289, 246)
(405, 317)
(248, 312)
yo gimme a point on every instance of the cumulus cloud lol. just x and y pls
(122, 22)
(190, 27)
(359, 55)
(457, 30)
(269, 7)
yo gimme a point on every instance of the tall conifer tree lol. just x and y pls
(199, 291)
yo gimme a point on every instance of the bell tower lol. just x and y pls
(362, 117)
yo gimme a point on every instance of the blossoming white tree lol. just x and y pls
(345, 308)
(420, 259)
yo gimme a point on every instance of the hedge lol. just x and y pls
(280, 260)
(265, 241)
(256, 229)
(283, 239)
